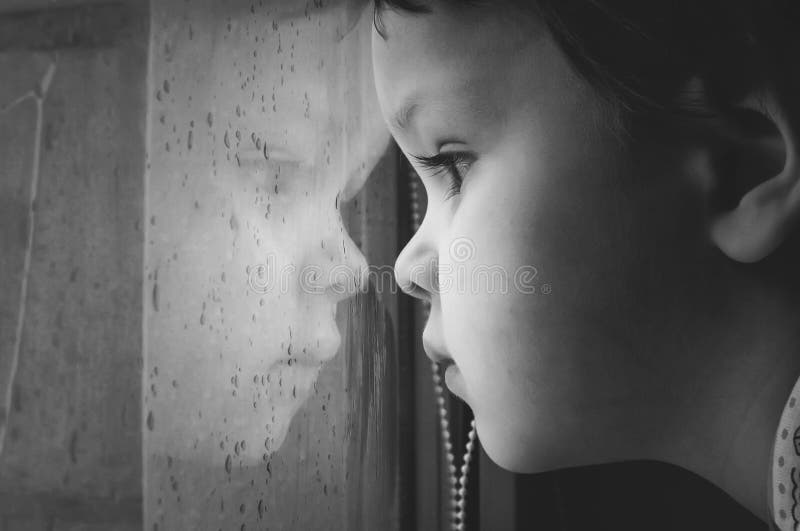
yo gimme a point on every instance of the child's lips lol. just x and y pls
(454, 380)
(435, 353)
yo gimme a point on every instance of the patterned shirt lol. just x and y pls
(784, 485)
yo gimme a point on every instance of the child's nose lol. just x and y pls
(416, 267)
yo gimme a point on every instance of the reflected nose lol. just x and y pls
(416, 268)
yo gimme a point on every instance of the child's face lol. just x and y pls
(590, 366)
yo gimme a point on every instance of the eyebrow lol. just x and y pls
(403, 119)
(405, 115)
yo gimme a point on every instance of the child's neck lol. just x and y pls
(730, 439)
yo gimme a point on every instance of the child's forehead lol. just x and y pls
(486, 28)
(446, 46)
(438, 52)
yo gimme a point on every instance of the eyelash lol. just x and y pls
(447, 162)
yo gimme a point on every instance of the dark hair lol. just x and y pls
(639, 54)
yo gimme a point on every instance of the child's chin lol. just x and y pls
(517, 454)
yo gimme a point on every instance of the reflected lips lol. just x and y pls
(328, 347)
(328, 341)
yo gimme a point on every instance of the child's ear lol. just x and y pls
(768, 210)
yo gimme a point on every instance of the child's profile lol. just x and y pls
(642, 157)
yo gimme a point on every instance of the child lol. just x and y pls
(611, 241)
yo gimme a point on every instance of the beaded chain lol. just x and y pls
(458, 483)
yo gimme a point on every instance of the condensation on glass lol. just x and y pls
(262, 123)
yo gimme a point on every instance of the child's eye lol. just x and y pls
(455, 163)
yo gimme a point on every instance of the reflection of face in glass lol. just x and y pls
(261, 144)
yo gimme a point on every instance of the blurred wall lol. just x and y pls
(72, 143)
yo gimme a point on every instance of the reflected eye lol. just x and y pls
(455, 163)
